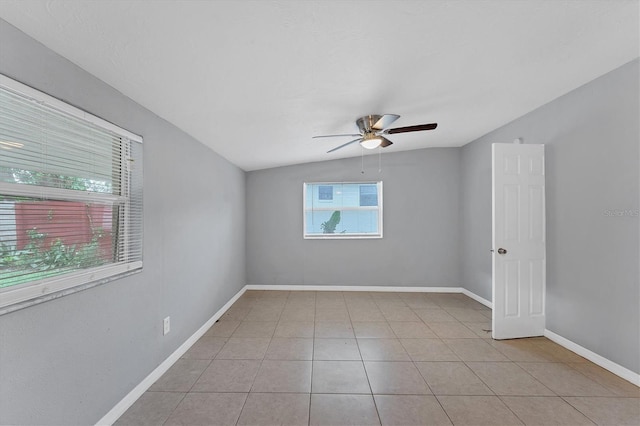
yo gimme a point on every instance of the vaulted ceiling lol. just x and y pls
(255, 80)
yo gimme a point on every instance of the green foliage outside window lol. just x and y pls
(38, 260)
(29, 177)
(329, 227)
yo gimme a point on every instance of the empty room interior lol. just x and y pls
(319, 212)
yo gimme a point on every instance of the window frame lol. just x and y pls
(351, 236)
(14, 297)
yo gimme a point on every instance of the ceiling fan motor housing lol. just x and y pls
(365, 124)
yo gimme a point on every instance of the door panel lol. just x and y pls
(536, 218)
(536, 296)
(512, 288)
(511, 213)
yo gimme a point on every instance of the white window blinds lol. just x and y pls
(70, 196)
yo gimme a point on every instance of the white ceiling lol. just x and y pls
(254, 80)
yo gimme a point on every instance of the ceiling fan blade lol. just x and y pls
(416, 128)
(337, 136)
(385, 142)
(342, 146)
(385, 121)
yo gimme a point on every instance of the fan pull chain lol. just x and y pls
(362, 160)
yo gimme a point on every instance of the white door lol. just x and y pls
(519, 270)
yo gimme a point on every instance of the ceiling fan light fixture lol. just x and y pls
(371, 143)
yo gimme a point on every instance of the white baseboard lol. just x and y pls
(464, 291)
(142, 387)
(356, 288)
(477, 298)
(603, 362)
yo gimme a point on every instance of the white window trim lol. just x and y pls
(15, 295)
(346, 236)
(33, 289)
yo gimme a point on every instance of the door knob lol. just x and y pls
(502, 251)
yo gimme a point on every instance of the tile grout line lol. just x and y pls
(509, 408)
(612, 390)
(578, 410)
(261, 361)
(244, 403)
(420, 373)
(364, 367)
(174, 408)
(465, 362)
(313, 348)
(190, 388)
(441, 339)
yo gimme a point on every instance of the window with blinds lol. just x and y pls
(342, 210)
(70, 196)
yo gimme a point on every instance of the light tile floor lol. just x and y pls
(356, 358)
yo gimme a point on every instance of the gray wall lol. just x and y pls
(421, 216)
(70, 360)
(591, 138)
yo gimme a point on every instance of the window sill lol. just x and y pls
(342, 237)
(29, 294)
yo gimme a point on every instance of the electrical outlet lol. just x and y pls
(166, 326)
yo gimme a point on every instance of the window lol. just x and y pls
(325, 193)
(368, 195)
(70, 196)
(353, 211)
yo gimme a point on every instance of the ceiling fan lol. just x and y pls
(373, 127)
